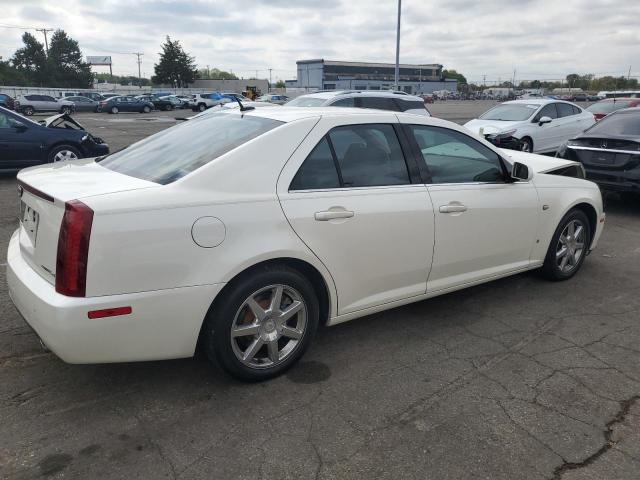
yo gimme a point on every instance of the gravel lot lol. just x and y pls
(516, 379)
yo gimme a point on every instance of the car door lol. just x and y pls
(349, 196)
(49, 103)
(485, 224)
(545, 136)
(18, 144)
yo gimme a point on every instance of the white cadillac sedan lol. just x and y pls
(541, 125)
(245, 230)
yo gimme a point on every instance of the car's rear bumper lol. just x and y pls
(163, 324)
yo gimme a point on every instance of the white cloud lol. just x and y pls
(538, 38)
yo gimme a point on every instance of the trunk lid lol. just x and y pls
(539, 163)
(606, 153)
(44, 190)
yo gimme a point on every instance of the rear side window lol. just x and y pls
(410, 105)
(362, 156)
(564, 110)
(576, 110)
(380, 103)
(173, 153)
(31, 97)
(344, 102)
(318, 171)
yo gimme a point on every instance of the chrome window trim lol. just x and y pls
(593, 149)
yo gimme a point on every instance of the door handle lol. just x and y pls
(332, 215)
(453, 208)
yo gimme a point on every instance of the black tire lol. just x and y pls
(202, 107)
(113, 110)
(66, 110)
(61, 148)
(217, 339)
(526, 145)
(168, 108)
(551, 270)
(146, 109)
(28, 111)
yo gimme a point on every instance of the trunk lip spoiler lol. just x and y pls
(22, 186)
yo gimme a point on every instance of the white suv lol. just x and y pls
(32, 103)
(201, 101)
(378, 99)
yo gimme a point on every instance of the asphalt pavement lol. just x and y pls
(515, 379)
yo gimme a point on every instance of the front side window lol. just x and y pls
(546, 111)
(173, 153)
(304, 101)
(453, 157)
(357, 156)
(344, 102)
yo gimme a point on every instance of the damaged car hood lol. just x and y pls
(539, 163)
(58, 121)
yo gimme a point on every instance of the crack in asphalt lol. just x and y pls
(625, 407)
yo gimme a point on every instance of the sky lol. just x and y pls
(539, 39)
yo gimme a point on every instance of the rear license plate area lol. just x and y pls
(29, 219)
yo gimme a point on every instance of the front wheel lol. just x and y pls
(114, 110)
(526, 145)
(569, 246)
(63, 153)
(202, 107)
(28, 111)
(263, 324)
(168, 108)
(66, 110)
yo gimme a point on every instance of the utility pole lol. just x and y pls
(629, 74)
(45, 31)
(269, 89)
(139, 54)
(397, 74)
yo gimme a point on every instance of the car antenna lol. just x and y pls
(242, 107)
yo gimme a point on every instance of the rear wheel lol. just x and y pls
(263, 324)
(66, 110)
(526, 145)
(113, 110)
(61, 153)
(202, 107)
(146, 109)
(568, 247)
(168, 108)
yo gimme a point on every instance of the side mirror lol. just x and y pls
(19, 126)
(520, 171)
(544, 120)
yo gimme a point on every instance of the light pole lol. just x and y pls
(397, 75)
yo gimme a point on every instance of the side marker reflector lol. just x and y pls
(109, 312)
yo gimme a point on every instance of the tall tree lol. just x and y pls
(453, 74)
(176, 67)
(30, 60)
(65, 66)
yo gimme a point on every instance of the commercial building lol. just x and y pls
(320, 74)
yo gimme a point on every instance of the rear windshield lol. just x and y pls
(173, 153)
(608, 107)
(306, 102)
(510, 112)
(617, 124)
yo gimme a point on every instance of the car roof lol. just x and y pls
(361, 93)
(534, 101)
(618, 99)
(290, 114)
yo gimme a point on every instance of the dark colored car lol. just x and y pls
(160, 103)
(610, 151)
(609, 105)
(6, 101)
(84, 104)
(24, 143)
(125, 104)
(580, 97)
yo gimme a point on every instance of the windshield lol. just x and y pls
(304, 101)
(608, 107)
(510, 112)
(173, 153)
(617, 124)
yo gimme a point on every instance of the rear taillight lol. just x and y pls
(73, 249)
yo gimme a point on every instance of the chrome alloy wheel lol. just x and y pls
(570, 247)
(63, 155)
(268, 326)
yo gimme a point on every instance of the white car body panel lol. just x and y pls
(397, 248)
(547, 137)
